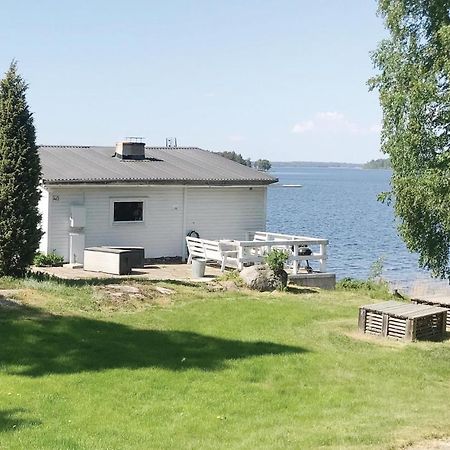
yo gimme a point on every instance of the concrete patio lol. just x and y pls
(176, 272)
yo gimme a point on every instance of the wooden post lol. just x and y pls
(409, 331)
(444, 323)
(385, 326)
(362, 320)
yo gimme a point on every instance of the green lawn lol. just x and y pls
(209, 370)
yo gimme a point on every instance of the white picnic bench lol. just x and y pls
(216, 251)
(236, 254)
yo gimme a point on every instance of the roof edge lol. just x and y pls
(144, 181)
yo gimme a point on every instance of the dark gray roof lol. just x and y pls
(181, 165)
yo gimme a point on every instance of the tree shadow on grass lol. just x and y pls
(81, 282)
(35, 344)
(292, 289)
(10, 420)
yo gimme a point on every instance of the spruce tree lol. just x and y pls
(20, 172)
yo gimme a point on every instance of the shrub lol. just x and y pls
(276, 258)
(52, 259)
(376, 269)
(373, 288)
(232, 276)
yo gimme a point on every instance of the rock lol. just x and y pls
(123, 288)
(214, 287)
(229, 285)
(116, 294)
(164, 291)
(262, 278)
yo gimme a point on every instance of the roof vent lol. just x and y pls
(131, 148)
(171, 142)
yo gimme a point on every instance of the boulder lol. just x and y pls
(262, 278)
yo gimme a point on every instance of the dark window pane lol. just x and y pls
(128, 212)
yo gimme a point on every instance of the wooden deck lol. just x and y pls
(406, 321)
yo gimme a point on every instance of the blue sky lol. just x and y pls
(283, 80)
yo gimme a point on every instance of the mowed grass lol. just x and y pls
(209, 370)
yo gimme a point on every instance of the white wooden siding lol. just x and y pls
(225, 213)
(43, 209)
(216, 213)
(60, 202)
(157, 234)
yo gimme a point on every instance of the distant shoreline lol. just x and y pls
(338, 165)
(314, 164)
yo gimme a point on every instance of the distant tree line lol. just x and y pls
(260, 164)
(237, 157)
(382, 163)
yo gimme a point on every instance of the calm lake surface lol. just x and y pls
(341, 205)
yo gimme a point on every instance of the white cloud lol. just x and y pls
(333, 122)
(303, 127)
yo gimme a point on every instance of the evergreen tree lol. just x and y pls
(20, 173)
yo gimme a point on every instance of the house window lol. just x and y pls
(125, 211)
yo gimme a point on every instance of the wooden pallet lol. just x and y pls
(442, 303)
(407, 321)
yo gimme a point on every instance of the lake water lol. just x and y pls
(340, 204)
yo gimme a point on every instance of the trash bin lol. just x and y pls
(198, 267)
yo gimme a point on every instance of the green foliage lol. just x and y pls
(52, 259)
(276, 258)
(372, 288)
(20, 172)
(236, 157)
(232, 275)
(414, 89)
(382, 163)
(263, 164)
(376, 269)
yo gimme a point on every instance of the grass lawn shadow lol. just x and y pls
(35, 344)
(10, 422)
(81, 282)
(295, 289)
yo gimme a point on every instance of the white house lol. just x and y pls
(131, 195)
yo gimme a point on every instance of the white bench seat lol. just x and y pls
(216, 251)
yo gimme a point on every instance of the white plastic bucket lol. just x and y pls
(198, 267)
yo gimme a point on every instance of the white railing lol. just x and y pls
(254, 251)
(232, 253)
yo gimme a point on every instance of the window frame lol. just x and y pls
(126, 200)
